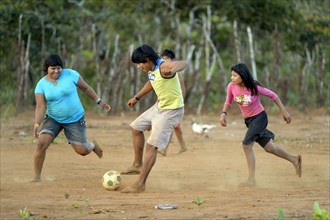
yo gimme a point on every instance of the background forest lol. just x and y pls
(285, 43)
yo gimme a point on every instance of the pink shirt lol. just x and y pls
(249, 105)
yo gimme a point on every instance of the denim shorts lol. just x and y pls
(75, 132)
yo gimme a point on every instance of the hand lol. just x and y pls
(166, 71)
(131, 102)
(105, 106)
(36, 130)
(223, 120)
(286, 116)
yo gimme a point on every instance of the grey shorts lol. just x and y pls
(75, 132)
(160, 122)
(257, 130)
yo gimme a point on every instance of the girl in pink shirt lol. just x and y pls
(245, 91)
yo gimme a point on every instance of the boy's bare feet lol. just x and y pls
(134, 189)
(132, 170)
(162, 152)
(182, 150)
(97, 149)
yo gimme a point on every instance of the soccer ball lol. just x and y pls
(111, 180)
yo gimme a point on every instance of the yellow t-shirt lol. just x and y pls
(168, 90)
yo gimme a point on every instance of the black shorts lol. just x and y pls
(257, 131)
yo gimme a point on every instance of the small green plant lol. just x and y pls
(198, 201)
(86, 201)
(280, 214)
(75, 206)
(24, 214)
(320, 214)
(66, 195)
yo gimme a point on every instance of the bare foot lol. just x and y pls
(132, 170)
(248, 183)
(298, 165)
(162, 152)
(97, 149)
(35, 180)
(134, 189)
(182, 150)
(251, 182)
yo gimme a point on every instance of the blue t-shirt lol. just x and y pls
(63, 103)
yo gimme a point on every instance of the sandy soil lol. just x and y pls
(212, 169)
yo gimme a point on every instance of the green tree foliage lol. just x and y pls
(291, 40)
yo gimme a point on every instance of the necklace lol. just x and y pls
(55, 83)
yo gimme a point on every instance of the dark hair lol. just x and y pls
(244, 72)
(52, 60)
(144, 52)
(169, 53)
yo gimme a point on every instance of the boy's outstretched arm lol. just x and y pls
(169, 68)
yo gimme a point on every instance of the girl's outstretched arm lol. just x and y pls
(285, 113)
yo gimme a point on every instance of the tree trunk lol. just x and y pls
(43, 42)
(237, 43)
(215, 58)
(26, 70)
(97, 62)
(19, 78)
(134, 81)
(112, 69)
(193, 71)
(207, 32)
(276, 80)
(207, 85)
(252, 57)
(191, 74)
(22, 70)
(306, 76)
(320, 73)
(275, 63)
(118, 89)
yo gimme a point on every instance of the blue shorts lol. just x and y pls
(75, 132)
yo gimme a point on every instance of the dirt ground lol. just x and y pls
(212, 169)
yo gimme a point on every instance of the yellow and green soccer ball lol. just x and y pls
(111, 180)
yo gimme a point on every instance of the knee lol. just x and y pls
(43, 143)
(81, 151)
(151, 148)
(269, 148)
(136, 132)
(41, 147)
(247, 148)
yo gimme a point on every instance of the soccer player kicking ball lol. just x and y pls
(161, 118)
